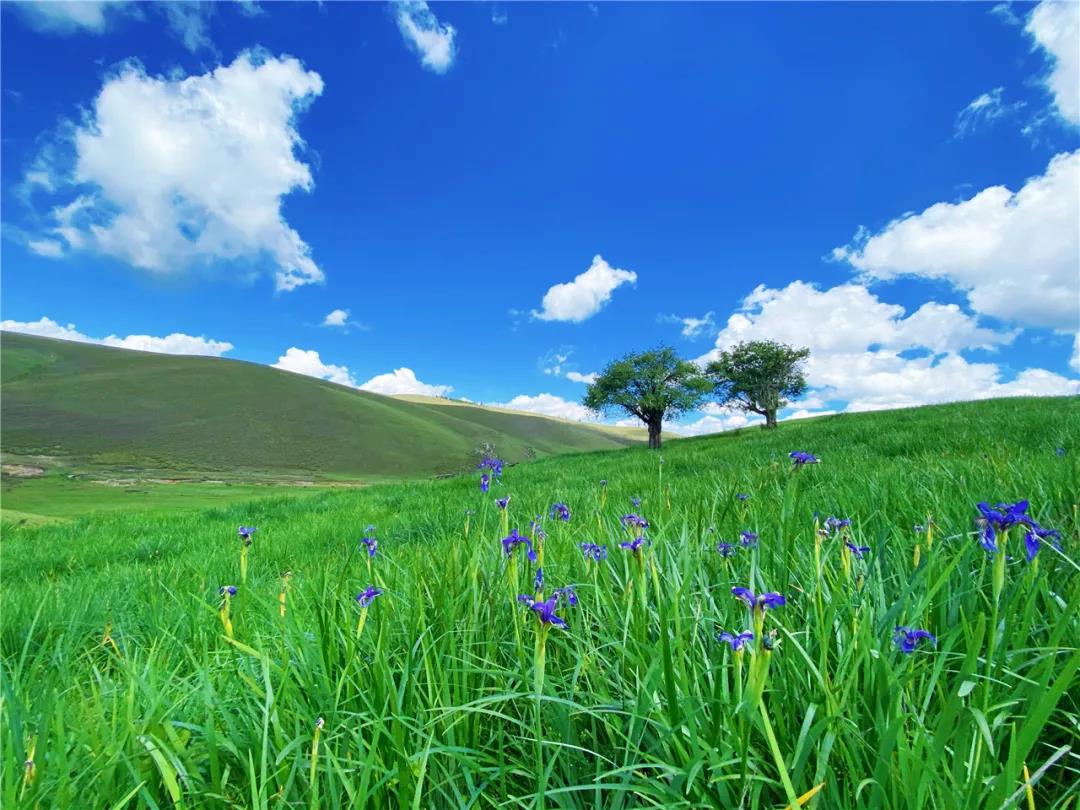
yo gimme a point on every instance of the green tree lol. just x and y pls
(652, 386)
(759, 376)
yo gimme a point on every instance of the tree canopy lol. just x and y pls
(653, 386)
(759, 376)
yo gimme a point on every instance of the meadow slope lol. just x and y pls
(98, 407)
(120, 683)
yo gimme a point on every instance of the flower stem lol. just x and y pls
(792, 797)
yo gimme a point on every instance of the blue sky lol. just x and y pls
(487, 188)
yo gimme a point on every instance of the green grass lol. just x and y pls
(436, 703)
(54, 496)
(98, 408)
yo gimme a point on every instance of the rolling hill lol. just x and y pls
(102, 408)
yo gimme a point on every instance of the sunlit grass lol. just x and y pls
(119, 679)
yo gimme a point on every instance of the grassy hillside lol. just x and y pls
(112, 408)
(440, 701)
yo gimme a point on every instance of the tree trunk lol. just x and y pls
(770, 418)
(654, 435)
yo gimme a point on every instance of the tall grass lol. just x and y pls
(117, 675)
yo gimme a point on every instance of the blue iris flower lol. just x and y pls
(748, 538)
(858, 551)
(800, 458)
(513, 540)
(367, 596)
(726, 549)
(763, 601)
(1000, 518)
(908, 638)
(560, 511)
(737, 642)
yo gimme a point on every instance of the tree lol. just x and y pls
(652, 386)
(759, 377)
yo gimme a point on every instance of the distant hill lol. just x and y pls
(118, 409)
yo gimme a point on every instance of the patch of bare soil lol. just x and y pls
(23, 470)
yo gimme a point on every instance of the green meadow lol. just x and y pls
(129, 681)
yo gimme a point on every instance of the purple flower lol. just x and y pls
(748, 538)
(737, 642)
(634, 521)
(726, 549)
(1035, 536)
(545, 610)
(538, 580)
(907, 638)
(503, 502)
(1000, 518)
(560, 511)
(858, 551)
(918, 528)
(566, 593)
(759, 602)
(634, 546)
(835, 524)
(227, 589)
(485, 482)
(513, 540)
(495, 465)
(603, 482)
(245, 533)
(635, 502)
(366, 597)
(742, 496)
(594, 551)
(800, 458)
(371, 544)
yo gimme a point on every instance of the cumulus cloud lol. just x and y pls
(578, 377)
(172, 173)
(586, 295)
(430, 39)
(1055, 27)
(549, 405)
(1015, 254)
(403, 381)
(308, 362)
(691, 327)
(983, 112)
(176, 343)
(860, 348)
(49, 248)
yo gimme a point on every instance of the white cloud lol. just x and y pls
(549, 405)
(48, 248)
(553, 362)
(186, 18)
(586, 295)
(856, 343)
(403, 381)
(69, 16)
(308, 362)
(1055, 27)
(850, 318)
(577, 377)
(176, 343)
(187, 171)
(1074, 361)
(983, 112)
(1014, 254)
(691, 327)
(499, 16)
(337, 318)
(432, 40)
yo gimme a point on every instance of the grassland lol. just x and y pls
(121, 686)
(114, 409)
